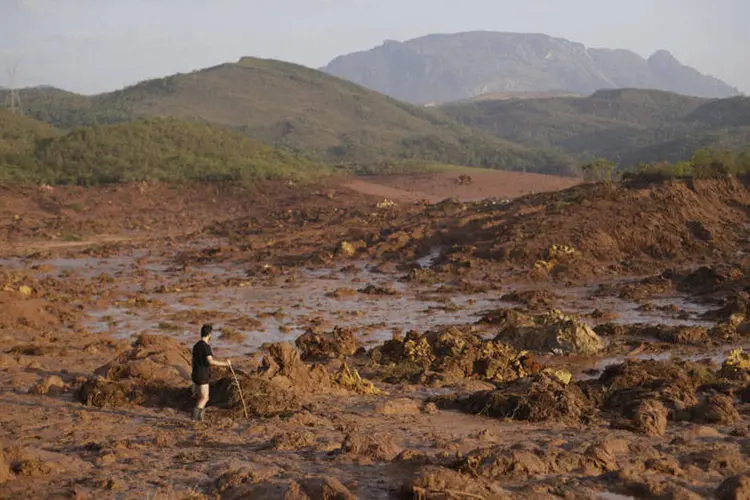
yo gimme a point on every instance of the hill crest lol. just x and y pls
(452, 67)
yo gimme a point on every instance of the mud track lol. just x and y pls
(573, 344)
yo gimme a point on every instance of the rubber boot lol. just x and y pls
(201, 412)
(198, 414)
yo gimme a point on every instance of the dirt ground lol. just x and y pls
(583, 344)
(437, 187)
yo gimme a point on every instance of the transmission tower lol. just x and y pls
(12, 97)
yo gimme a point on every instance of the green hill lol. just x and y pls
(627, 125)
(155, 149)
(19, 137)
(297, 109)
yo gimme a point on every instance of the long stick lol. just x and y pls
(239, 388)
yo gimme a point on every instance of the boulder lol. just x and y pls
(554, 332)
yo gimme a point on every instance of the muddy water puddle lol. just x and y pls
(284, 311)
(282, 308)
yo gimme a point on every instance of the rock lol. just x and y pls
(379, 290)
(315, 345)
(152, 358)
(537, 398)
(554, 332)
(377, 447)
(737, 365)
(400, 406)
(51, 384)
(452, 355)
(715, 409)
(346, 250)
(735, 488)
(601, 458)
(430, 409)
(650, 418)
(326, 488)
(438, 482)
(350, 379)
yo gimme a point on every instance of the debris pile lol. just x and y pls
(317, 345)
(552, 332)
(450, 355)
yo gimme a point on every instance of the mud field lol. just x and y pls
(585, 344)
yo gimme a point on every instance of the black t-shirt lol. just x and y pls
(201, 352)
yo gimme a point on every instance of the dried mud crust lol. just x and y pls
(661, 429)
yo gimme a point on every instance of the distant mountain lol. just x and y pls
(297, 109)
(625, 125)
(445, 68)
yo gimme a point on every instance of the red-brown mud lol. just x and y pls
(561, 345)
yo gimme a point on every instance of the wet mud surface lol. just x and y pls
(383, 351)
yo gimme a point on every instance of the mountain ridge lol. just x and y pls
(450, 67)
(298, 109)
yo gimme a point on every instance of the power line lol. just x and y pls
(13, 97)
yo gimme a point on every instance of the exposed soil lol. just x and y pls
(560, 345)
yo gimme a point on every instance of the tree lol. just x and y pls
(599, 170)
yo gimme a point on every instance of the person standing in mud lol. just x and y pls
(203, 360)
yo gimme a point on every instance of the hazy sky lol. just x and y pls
(99, 45)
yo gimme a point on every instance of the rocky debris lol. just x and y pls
(625, 386)
(292, 441)
(520, 462)
(637, 291)
(379, 290)
(155, 371)
(452, 354)
(349, 379)
(262, 397)
(443, 483)
(718, 458)
(370, 447)
(537, 398)
(674, 334)
(430, 408)
(152, 358)
(285, 362)
(736, 306)
(715, 409)
(326, 488)
(734, 488)
(151, 374)
(533, 299)
(554, 332)
(342, 293)
(649, 418)
(317, 345)
(348, 250)
(422, 276)
(286, 489)
(51, 384)
(507, 318)
(736, 366)
(600, 457)
(702, 281)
